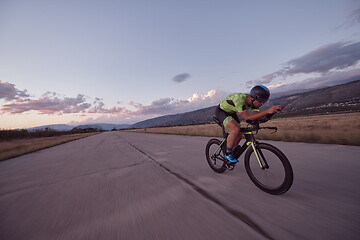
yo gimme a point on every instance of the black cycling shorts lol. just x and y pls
(222, 115)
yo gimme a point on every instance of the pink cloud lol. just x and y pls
(52, 103)
(171, 105)
(49, 103)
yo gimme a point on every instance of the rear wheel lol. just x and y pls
(214, 155)
(276, 176)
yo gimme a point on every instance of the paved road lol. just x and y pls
(119, 185)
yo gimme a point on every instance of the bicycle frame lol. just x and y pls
(249, 140)
(240, 149)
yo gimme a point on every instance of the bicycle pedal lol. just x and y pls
(231, 163)
(231, 166)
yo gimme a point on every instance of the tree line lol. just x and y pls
(47, 132)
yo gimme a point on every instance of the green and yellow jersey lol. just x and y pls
(236, 102)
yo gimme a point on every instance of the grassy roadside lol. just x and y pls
(18, 147)
(331, 129)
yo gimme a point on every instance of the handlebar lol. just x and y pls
(256, 128)
(256, 123)
(261, 120)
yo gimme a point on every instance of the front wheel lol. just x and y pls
(214, 155)
(269, 169)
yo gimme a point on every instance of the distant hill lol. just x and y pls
(104, 126)
(340, 98)
(65, 127)
(109, 126)
(56, 127)
(204, 115)
(85, 126)
(291, 92)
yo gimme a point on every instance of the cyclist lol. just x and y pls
(240, 103)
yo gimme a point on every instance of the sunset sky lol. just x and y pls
(85, 61)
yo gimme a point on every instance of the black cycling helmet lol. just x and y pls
(260, 93)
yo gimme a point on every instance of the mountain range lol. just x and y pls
(340, 98)
(65, 127)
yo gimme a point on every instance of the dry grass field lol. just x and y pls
(333, 129)
(14, 148)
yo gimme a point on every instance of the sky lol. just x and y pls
(85, 61)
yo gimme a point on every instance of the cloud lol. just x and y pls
(49, 103)
(322, 61)
(213, 97)
(160, 107)
(330, 79)
(9, 92)
(52, 103)
(331, 57)
(99, 107)
(181, 77)
(171, 105)
(352, 19)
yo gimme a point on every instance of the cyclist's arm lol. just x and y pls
(256, 115)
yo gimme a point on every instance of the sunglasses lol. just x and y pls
(261, 100)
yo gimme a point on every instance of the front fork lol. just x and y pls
(259, 155)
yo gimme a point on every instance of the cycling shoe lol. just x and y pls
(231, 158)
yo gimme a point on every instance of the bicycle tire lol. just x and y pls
(277, 159)
(211, 146)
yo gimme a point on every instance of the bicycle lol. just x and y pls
(267, 167)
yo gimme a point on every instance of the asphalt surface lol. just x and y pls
(119, 185)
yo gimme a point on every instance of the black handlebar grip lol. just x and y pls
(250, 121)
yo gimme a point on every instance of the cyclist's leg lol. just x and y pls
(232, 139)
(234, 136)
(234, 127)
(231, 121)
(238, 140)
